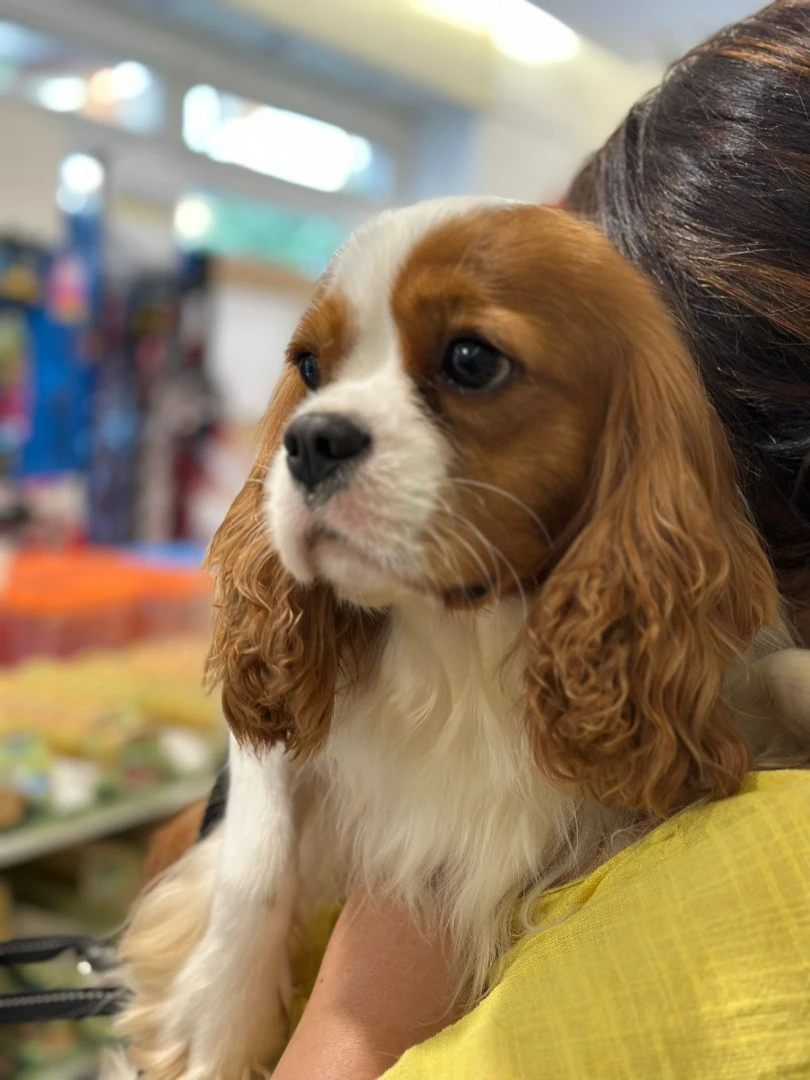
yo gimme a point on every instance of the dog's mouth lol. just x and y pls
(323, 540)
(323, 543)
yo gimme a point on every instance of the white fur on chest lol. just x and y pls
(430, 769)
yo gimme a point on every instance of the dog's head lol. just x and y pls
(485, 399)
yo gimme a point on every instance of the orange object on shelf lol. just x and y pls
(61, 603)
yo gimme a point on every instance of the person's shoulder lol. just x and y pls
(686, 954)
(771, 811)
(768, 820)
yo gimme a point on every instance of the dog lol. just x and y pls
(489, 606)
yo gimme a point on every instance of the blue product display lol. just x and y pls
(60, 294)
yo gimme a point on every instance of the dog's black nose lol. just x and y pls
(318, 444)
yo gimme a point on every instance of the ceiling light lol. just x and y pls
(298, 149)
(81, 180)
(275, 142)
(64, 93)
(101, 88)
(82, 173)
(363, 154)
(130, 79)
(201, 114)
(517, 28)
(193, 218)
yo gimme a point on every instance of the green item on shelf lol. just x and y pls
(24, 763)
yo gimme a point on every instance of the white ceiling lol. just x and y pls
(655, 31)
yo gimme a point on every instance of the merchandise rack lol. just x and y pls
(34, 841)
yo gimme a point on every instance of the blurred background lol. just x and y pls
(175, 175)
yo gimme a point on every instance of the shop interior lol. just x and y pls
(176, 175)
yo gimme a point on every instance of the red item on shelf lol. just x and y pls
(61, 603)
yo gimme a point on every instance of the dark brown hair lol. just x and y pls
(706, 187)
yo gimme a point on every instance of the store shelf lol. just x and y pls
(34, 841)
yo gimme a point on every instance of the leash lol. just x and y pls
(99, 955)
(93, 957)
(41, 1006)
(35, 1006)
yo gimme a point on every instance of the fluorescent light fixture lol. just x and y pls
(62, 93)
(130, 79)
(101, 88)
(82, 173)
(108, 90)
(201, 115)
(519, 29)
(193, 218)
(274, 142)
(363, 154)
(81, 179)
(124, 82)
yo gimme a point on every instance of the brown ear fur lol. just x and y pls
(665, 583)
(278, 647)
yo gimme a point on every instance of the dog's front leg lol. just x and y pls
(225, 1016)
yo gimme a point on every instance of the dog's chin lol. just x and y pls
(359, 580)
(355, 576)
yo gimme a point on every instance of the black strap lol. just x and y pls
(99, 955)
(36, 1006)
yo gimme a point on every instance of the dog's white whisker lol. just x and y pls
(495, 490)
(496, 553)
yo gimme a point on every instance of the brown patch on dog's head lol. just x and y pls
(599, 471)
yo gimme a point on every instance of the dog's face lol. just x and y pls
(485, 398)
(453, 374)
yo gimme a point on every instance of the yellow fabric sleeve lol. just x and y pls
(685, 957)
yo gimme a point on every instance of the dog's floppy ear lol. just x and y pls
(278, 647)
(663, 585)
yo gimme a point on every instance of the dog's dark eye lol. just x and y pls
(308, 370)
(474, 366)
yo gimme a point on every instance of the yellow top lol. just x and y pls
(685, 957)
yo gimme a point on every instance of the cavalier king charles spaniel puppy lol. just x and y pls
(489, 606)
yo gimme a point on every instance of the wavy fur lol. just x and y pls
(663, 589)
(467, 749)
(270, 634)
